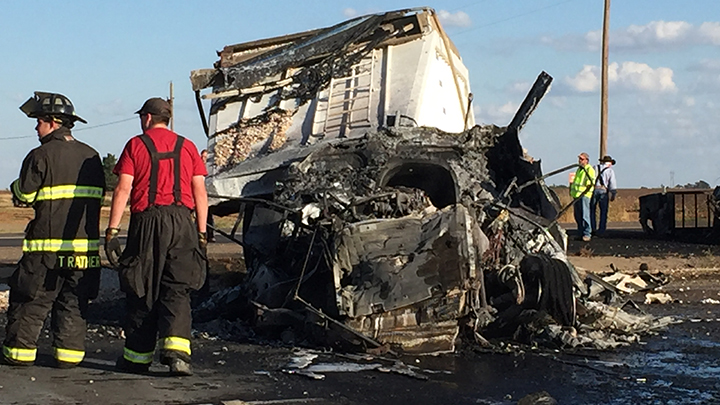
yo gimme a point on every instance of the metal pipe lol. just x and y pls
(256, 201)
(469, 107)
(341, 325)
(201, 110)
(227, 235)
(683, 209)
(552, 173)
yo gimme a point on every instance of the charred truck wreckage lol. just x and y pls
(372, 206)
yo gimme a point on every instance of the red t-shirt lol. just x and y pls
(135, 161)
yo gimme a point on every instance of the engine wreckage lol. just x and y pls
(373, 207)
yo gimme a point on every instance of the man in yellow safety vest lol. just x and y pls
(581, 190)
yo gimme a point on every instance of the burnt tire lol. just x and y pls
(549, 287)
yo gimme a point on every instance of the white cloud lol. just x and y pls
(706, 66)
(656, 32)
(655, 35)
(521, 87)
(665, 129)
(626, 76)
(710, 32)
(458, 19)
(350, 12)
(587, 80)
(705, 76)
(495, 114)
(558, 101)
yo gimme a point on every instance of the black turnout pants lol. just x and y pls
(161, 264)
(36, 290)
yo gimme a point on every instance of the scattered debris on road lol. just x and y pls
(303, 363)
(660, 298)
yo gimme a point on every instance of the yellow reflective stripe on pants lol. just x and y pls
(56, 245)
(176, 343)
(26, 198)
(68, 191)
(138, 358)
(18, 354)
(69, 356)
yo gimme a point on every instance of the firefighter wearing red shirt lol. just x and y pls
(59, 272)
(164, 259)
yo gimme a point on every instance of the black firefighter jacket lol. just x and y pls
(64, 181)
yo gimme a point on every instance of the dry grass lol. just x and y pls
(13, 219)
(625, 208)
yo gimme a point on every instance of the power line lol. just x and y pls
(105, 124)
(514, 17)
(468, 5)
(75, 129)
(18, 137)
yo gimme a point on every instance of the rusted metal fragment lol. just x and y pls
(417, 329)
(383, 265)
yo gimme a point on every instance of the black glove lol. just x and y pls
(202, 241)
(17, 203)
(113, 250)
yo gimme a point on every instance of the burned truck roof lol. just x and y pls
(373, 206)
(288, 94)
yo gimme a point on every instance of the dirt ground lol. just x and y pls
(235, 366)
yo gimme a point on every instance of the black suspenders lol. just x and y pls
(155, 158)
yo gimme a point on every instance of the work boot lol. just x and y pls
(178, 367)
(123, 364)
(16, 363)
(586, 238)
(64, 364)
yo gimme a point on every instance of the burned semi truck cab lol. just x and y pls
(369, 197)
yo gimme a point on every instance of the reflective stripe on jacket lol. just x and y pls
(582, 181)
(63, 179)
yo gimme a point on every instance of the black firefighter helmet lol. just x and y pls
(52, 105)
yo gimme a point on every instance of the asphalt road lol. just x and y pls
(234, 363)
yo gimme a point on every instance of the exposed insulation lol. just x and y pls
(252, 137)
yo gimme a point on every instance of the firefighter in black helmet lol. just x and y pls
(63, 180)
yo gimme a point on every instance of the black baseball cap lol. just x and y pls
(156, 106)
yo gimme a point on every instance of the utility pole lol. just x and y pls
(604, 83)
(172, 108)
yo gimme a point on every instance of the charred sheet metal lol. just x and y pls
(369, 212)
(403, 228)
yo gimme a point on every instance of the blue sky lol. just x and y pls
(664, 95)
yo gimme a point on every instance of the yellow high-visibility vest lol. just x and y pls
(581, 182)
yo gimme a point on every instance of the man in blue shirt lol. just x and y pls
(605, 191)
